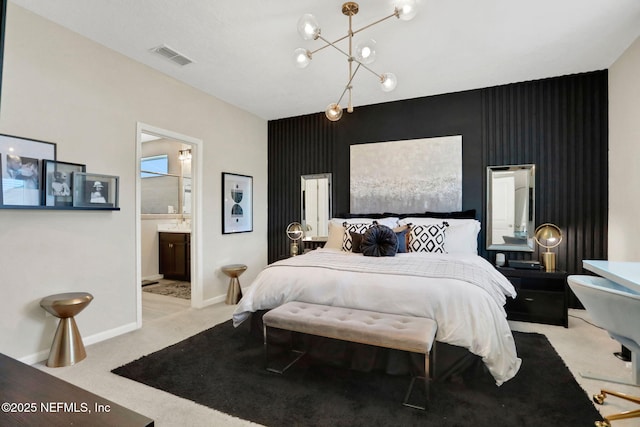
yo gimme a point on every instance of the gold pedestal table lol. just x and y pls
(67, 347)
(234, 293)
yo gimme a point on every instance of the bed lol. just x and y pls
(458, 289)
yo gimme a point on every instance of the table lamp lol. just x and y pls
(295, 233)
(548, 236)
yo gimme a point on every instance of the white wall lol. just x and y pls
(63, 88)
(624, 156)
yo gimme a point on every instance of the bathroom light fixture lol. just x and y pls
(365, 52)
(184, 154)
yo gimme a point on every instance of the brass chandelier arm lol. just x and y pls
(395, 13)
(348, 56)
(348, 85)
(328, 43)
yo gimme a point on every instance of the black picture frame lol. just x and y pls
(57, 179)
(237, 203)
(20, 168)
(92, 190)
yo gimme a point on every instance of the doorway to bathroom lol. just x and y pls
(167, 222)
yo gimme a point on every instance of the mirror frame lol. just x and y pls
(303, 220)
(525, 247)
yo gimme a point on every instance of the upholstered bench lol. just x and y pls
(407, 333)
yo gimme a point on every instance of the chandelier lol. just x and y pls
(364, 54)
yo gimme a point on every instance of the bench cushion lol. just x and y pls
(414, 334)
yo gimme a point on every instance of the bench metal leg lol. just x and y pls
(266, 355)
(429, 358)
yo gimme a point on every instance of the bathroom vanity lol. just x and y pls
(175, 254)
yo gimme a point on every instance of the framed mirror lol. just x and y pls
(316, 205)
(511, 208)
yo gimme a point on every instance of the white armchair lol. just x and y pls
(615, 308)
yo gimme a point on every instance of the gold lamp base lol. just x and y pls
(549, 261)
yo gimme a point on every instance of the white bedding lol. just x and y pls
(464, 294)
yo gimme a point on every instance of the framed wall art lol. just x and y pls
(58, 182)
(237, 203)
(20, 166)
(91, 190)
(427, 176)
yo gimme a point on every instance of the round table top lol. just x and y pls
(233, 269)
(66, 304)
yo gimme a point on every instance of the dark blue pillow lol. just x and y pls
(402, 240)
(379, 240)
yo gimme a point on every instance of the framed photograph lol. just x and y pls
(237, 203)
(57, 189)
(20, 165)
(91, 190)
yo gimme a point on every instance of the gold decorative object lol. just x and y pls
(599, 399)
(364, 54)
(234, 292)
(548, 236)
(67, 347)
(295, 233)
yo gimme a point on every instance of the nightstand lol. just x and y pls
(542, 296)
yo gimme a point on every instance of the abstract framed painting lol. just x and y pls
(237, 203)
(415, 175)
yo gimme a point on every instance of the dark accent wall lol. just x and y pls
(559, 124)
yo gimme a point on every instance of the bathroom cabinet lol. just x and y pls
(175, 256)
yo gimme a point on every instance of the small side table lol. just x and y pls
(67, 347)
(542, 296)
(234, 293)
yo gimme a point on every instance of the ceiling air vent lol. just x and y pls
(170, 54)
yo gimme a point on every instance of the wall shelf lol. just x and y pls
(60, 208)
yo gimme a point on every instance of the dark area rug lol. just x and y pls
(173, 289)
(223, 368)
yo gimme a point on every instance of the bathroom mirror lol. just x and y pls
(165, 172)
(511, 208)
(316, 205)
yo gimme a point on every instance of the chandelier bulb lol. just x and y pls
(301, 57)
(333, 112)
(308, 27)
(366, 51)
(388, 82)
(406, 9)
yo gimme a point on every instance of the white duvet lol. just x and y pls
(464, 294)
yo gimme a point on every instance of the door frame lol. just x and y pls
(196, 213)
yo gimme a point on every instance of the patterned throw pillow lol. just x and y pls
(427, 238)
(358, 227)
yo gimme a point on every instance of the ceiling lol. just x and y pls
(242, 52)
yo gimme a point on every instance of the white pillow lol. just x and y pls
(345, 237)
(355, 227)
(427, 238)
(334, 241)
(390, 221)
(461, 237)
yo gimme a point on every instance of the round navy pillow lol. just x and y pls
(379, 240)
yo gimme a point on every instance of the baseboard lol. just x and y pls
(153, 277)
(212, 301)
(92, 339)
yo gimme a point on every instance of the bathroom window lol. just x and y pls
(154, 166)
